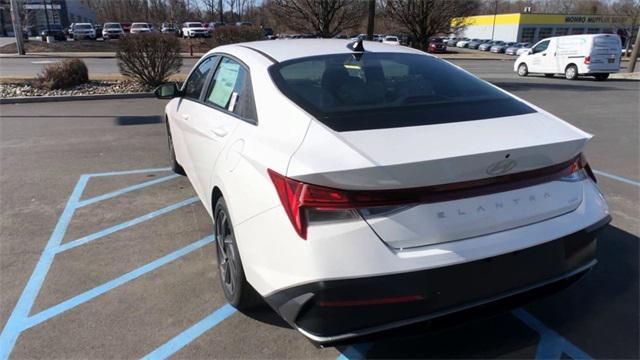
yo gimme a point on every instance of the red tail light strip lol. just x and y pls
(297, 196)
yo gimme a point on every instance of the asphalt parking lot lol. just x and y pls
(105, 254)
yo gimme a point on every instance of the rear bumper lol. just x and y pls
(335, 310)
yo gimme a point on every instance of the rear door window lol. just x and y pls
(350, 92)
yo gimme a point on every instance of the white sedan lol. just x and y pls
(391, 40)
(140, 28)
(358, 187)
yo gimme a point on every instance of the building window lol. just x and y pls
(72, 17)
(593, 31)
(545, 33)
(528, 34)
(577, 31)
(562, 31)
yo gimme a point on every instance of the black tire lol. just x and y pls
(601, 77)
(235, 287)
(571, 72)
(523, 70)
(175, 166)
(549, 75)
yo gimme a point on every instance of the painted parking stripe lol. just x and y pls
(181, 340)
(110, 230)
(551, 345)
(110, 285)
(113, 194)
(616, 177)
(129, 172)
(13, 326)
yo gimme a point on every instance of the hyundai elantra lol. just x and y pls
(358, 187)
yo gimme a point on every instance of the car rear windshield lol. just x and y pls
(350, 92)
(140, 26)
(83, 27)
(112, 26)
(194, 25)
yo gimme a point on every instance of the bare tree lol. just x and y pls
(325, 18)
(629, 19)
(425, 18)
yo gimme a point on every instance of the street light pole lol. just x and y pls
(634, 53)
(17, 27)
(495, 14)
(46, 15)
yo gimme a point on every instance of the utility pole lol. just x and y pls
(495, 14)
(372, 19)
(46, 15)
(17, 27)
(221, 12)
(634, 53)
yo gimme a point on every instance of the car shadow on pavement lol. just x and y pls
(138, 120)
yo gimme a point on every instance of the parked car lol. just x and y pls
(83, 31)
(126, 27)
(140, 28)
(98, 28)
(342, 237)
(193, 30)
(436, 45)
(513, 49)
(524, 49)
(391, 40)
(112, 30)
(500, 46)
(463, 43)
(451, 41)
(473, 44)
(267, 33)
(214, 25)
(487, 46)
(596, 55)
(168, 28)
(54, 30)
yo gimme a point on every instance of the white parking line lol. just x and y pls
(616, 177)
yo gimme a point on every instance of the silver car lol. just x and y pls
(513, 49)
(500, 48)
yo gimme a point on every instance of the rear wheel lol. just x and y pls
(523, 70)
(175, 166)
(601, 77)
(237, 290)
(571, 72)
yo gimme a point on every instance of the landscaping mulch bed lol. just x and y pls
(12, 90)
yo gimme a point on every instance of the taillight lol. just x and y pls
(304, 202)
(587, 60)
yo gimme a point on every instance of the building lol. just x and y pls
(527, 27)
(36, 14)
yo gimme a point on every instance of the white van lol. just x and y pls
(595, 55)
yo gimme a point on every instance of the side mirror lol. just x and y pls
(529, 52)
(167, 91)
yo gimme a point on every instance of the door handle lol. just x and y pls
(185, 117)
(219, 131)
(544, 54)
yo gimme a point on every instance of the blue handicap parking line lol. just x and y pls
(184, 338)
(19, 320)
(125, 190)
(102, 233)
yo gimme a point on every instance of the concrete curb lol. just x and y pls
(40, 99)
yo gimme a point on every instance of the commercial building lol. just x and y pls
(528, 27)
(36, 14)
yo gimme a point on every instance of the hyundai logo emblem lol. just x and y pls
(501, 167)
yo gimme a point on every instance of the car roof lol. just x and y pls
(283, 50)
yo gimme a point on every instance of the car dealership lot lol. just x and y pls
(127, 291)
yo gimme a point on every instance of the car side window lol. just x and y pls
(195, 83)
(230, 89)
(541, 47)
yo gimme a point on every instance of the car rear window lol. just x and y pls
(83, 27)
(350, 92)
